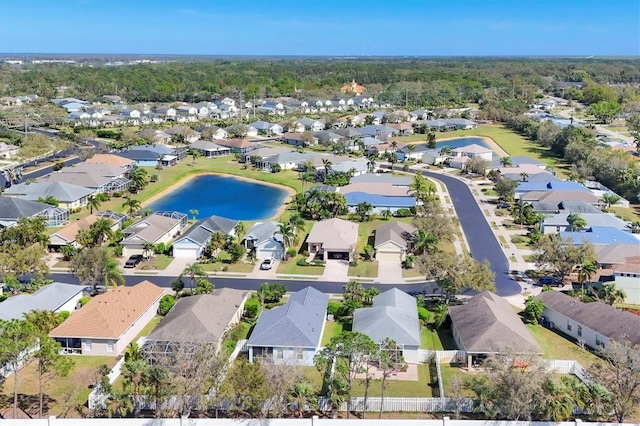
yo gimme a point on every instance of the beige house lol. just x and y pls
(110, 321)
(67, 235)
(393, 240)
(472, 151)
(160, 227)
(333, 239)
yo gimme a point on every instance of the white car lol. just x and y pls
(266, 264)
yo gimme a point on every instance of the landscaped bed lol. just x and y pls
(291, 267)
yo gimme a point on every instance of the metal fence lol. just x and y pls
(424, 405)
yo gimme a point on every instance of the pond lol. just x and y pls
(223, 196)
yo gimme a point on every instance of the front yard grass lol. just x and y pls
(239, 267)
(398, 388)
(558, 346)
(290, 267)
(61, 394)
(331, 329)
(411, 273)
(365, 268)
(158, 262)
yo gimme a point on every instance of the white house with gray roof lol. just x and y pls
(192, 244)
(12, 209)
(54, 297)
(265, 241)
(68, 195)
(291, 333)
(556, 223)
(394, 315)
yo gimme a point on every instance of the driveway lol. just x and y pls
(335, 270)
(264, 273)
(389, 272)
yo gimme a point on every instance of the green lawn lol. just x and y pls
(557, 346)
(448, 373)
(629, 214)
(158, 262)
(331, 329)
(429, 339)
(365, 268)
(290, 267)
(313, 377)
(411, 273)
(239, 267)
(149, 327)
(398, 388)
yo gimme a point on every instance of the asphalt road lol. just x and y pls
(250, 283)
(480, 237)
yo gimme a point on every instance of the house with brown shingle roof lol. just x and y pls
(67, 235)
(393, 240)
(160, 227)
(109, 321)
(110, 159)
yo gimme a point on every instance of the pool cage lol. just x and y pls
(55, 216)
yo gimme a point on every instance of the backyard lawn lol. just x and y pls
(331, 329)
(557, 346)
(448, 373)
(429, 339)
(398, 388)
(61, 394)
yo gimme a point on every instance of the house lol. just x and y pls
(265, 241)
(238, 146)
(413, 152)
(472, 151)
(621, 263)
(383, 178)
(382, 188)
(519, 161)
(558, 196)
(333, 239)
(291, 333)
(159, 227)
(393, 240)
(353, 167)
(550, 186)
(460, 123)
(13, 208)
(112, 160)
(601, 235)
(595, 323)
(309, 124)
(298, 139)
(438, 125)
(556, 223)
(67, 235)
(394, 315)
(266, 128)
(183, 133)
(579, 207)
(459, 163)
(192, 244)
(154, 136)
(379, 131)
(403, 128)
(487, 324)
(109, 321)
(195, 320)
(433, 157)
(210, 149)
(379, 202)
(141, 158)
(289, 160)
(69, 196)
(55, 297)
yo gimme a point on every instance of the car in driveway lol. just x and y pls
(133, 261)
(266, 264)
(550, 281)
(504, 206)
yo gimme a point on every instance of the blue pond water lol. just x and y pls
(458, 142)
(223, 196)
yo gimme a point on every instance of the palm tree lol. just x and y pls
(102, 229)
(609, 199)
(239, 230)
(326, 163)
(635, 227)
(524, 176)
(587, 269)
(113, 273)
(147, 248)
(194, 213)
(446, 150)
(411, 148)
(132, 205)
(371, 164)
(297, 221)
(132, 352)
(431, 140)
(68, 252)
(521, 210)
(138, 178)
(302, 396)
(559, 404)
(425, 242)
(419, 187)
(576, 222)
(133, 373)
(158, 382)
(386, 214)
(611, 294)
(193, 271)
(93, 202)
(363, 210)
(118, 404)
(288, 232)
(354, 292)
(506, 162)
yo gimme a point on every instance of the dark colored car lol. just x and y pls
(503, 206)
(133, 261)
(550, 281)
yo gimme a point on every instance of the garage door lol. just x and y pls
(388, 255)
(338, 255)
(184, 253)
(264, 254)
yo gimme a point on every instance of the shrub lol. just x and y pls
(291, 252)
(424, 315)
(251, 308)
(59, 165)
(353, 263)
(402, 213)
(84, 300)
(166, 303)
(63, 315)
(333, 308)
(3, 297)
(302, 262)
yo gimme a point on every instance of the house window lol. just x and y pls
(568, 325)
(86, 345)
(580, 330)
(109, 346)
(299, 353)
(279, 353)
(599, 341)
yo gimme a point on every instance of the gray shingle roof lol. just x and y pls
(397, 232)
(201, 231)
(488, 324)
(263, 231)
(61, 191)
(394, 315)
(49, 298)
(201, 318)
(298, 323)
(382, 178)
(564, 206)
(14, 208)
(599, 317)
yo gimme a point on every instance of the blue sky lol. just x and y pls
(322, 27)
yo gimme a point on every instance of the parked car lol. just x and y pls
(266, 264)
(503, 206)
(133, 261)
(550, 281)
